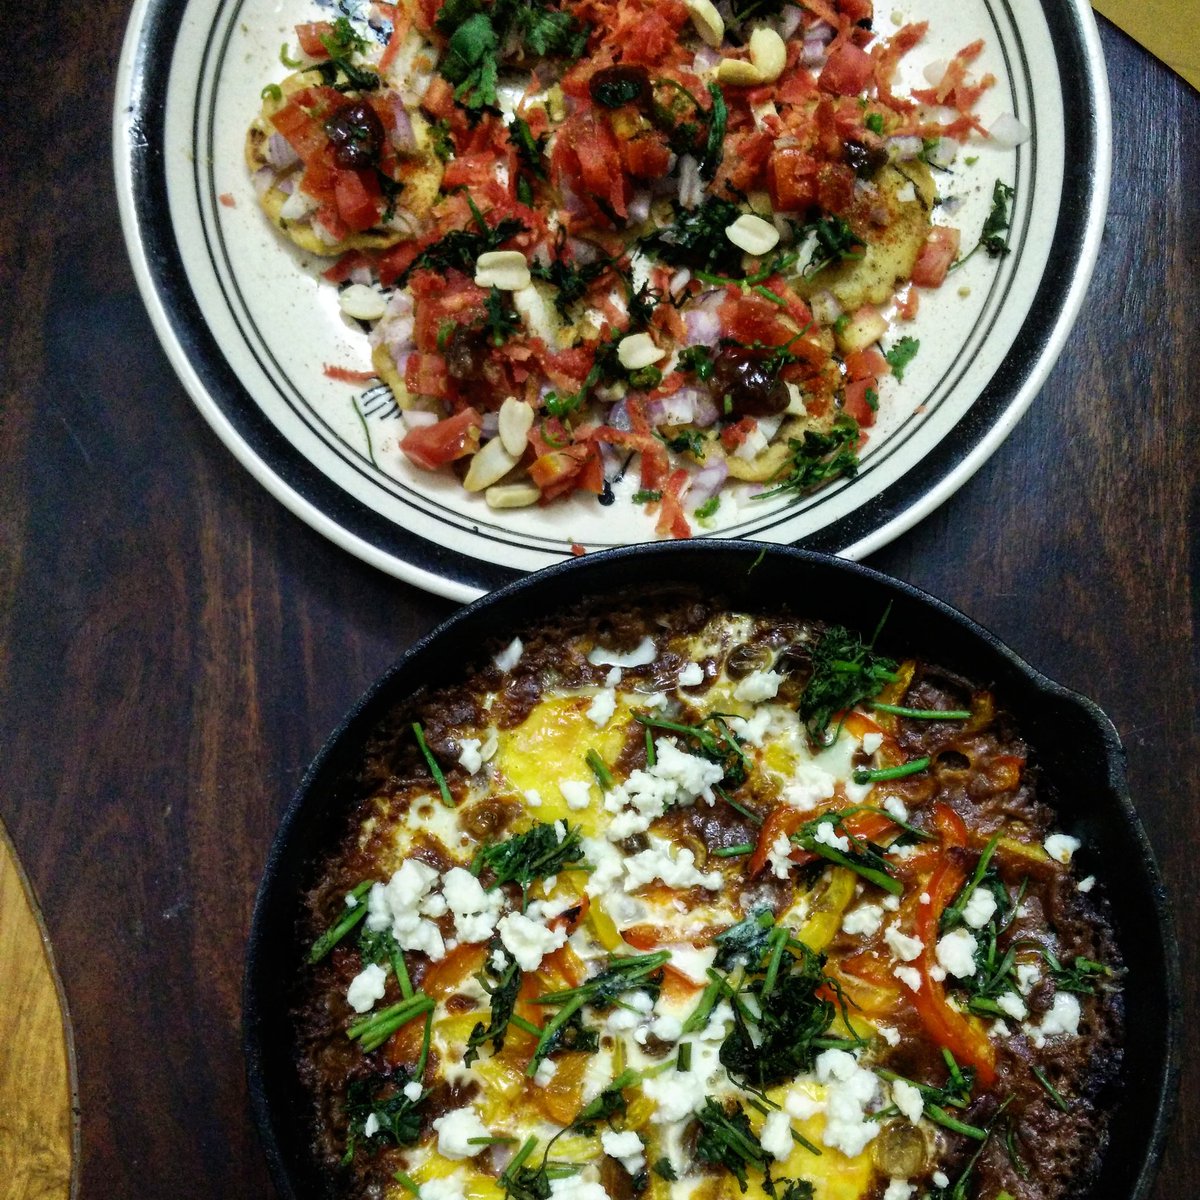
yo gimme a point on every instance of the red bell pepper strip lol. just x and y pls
(947, 1026)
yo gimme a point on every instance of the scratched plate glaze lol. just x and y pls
(249, 327)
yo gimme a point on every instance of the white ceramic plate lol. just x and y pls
(249, 328)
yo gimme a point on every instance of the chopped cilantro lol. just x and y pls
(459, 248)
(901, 355)
(845, 671)
(646, 496)
(696, 239)
(698, 361)
(874, 122)
(818, 458)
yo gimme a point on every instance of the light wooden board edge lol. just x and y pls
(1169, 29)
(39, 1123)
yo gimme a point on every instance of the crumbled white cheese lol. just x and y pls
(850, 1089)
(827, 836)
(779, 856)
(799, 1104)
(351, 900)
(901, 852)
(510, 655)
(940, 1179)
(956, 953)
(475, 909)
(626, 1147)
(403, 903)
(442, 1189)
(758, 686)
(909, 976)
(1063, 1016)
(614, 677)
(692, 675)
(894, 807)
(412, 1090)
(602, 707)
(908, 1100)
(1061, 846)
(808, 786)
(889, 1033)
(455, 1131)
(666, 1028)
(533, 798)
(641, 656)
(371, 1125)
(679, 871)
(469, 757)
(890, 903)
(366, 987)
(676, 778)
(863, 920)
(546, 1070)
(607, 865)
(899, 1189)
(904, 947)
(754, 729)
(527, 940)
(776, 1136)
(924, 898)
(871, 742)
(576, 792)
(1086, 884)
(1027, 976)
(571, 1187)
(1013, 1005)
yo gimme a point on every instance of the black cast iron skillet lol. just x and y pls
(1078, 750)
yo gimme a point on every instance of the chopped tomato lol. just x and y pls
(938, 252)
(650, 40)
(426, 375)
(670, 518)
(732, 436)
(358, 199)
(432, 446)
(862, 400)
(555, 473)
(857, 11)
(310, 36)
(347, 374)
(847, 70)
(439, 98)
(304, 134)
(792, 179)
(835, 187)
(645, 156)
(862, 364)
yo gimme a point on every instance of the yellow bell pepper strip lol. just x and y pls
(951, 1029)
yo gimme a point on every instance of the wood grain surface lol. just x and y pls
(174, 645)
(37, 1086)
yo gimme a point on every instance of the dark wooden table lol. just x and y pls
(174, 645)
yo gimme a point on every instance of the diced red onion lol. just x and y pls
(679, 408)
(280, 153)
(825, 308)
(943, 152)
(363, 275)
(935, 71)
(404, 139)
(769, 426)
(904, 149)
(706, 58)
(490, 424)
(708, 481)
(790, 21)
(706, 411)
(286, 185)
(813, 54)
(263, 178)
(691, 186)
(703, 326)
(820, 31)
(680, 279)
(618, 416)
(417, 418)
(572, 205)
(584, 252)
(1008, 132)
(639, 205)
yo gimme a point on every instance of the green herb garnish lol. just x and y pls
(901, 354)
(845, 671)
(343, 925)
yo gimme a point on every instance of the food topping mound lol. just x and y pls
(682, 903)
(644, 244)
